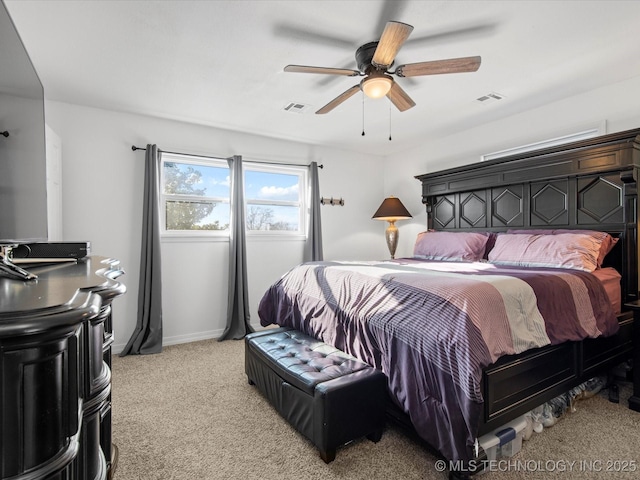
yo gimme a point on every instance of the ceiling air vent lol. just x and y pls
(296, 107)
(490, 97)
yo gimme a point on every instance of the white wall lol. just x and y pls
(618, 105)
(102, 202)
(54, 185)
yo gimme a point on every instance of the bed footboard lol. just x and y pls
(517, 384)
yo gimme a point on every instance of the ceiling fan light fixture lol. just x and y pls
(376, 86)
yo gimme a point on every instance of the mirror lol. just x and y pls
(23, 169)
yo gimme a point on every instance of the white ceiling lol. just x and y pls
(220, 63)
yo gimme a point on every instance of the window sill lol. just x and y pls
(275, 237)
(250, 237)
(192, 238)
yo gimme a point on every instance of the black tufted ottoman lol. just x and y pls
(328, 396)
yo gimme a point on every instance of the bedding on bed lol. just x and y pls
(448, 246)
(568, 250)
(610, 279)
(604, 240)
(432, 327)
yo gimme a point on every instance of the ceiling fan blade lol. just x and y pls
(452, 65)
(399, 98)
(323, 70)
(393, 36)
(338, 100)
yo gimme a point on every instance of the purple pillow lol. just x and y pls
(606, 241)
(466, 246)
(565, 250)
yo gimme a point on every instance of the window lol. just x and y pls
(195, 195)
(275, 199)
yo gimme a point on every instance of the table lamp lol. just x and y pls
(392, 210)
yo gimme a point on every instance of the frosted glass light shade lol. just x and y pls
(376, 86)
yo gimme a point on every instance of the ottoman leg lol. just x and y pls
(328, 455)
(375, 436)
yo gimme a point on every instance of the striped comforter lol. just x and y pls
(432, 327)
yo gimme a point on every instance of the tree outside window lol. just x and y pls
(196, 195)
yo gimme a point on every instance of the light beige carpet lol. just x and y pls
(189, 413)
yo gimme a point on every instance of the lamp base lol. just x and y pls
(391, 234)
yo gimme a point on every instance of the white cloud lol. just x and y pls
(226, 182)
(279, 192)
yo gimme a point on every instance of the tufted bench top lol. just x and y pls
(304, 361)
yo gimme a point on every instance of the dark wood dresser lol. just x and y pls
(55, 371)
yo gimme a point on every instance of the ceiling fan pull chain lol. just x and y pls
(363, 114)
(389, 121)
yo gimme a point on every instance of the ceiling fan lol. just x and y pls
(374, 59)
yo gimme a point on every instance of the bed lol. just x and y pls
(463, 349)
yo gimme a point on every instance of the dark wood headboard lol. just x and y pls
(591, 184)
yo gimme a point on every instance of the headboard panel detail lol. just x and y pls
(584, 200)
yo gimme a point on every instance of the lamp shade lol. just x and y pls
(391, 210)
(376, 86)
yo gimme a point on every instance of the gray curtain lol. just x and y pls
(313, 245)
(147, 336)
(238, 323)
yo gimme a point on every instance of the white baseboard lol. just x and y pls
(178, 339)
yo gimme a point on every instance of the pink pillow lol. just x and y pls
(468, 246)
(565, 250)
(607, 242)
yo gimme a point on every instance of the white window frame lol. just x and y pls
(303, 173)
(190, 234)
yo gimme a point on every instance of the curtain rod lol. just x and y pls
(134, 148)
